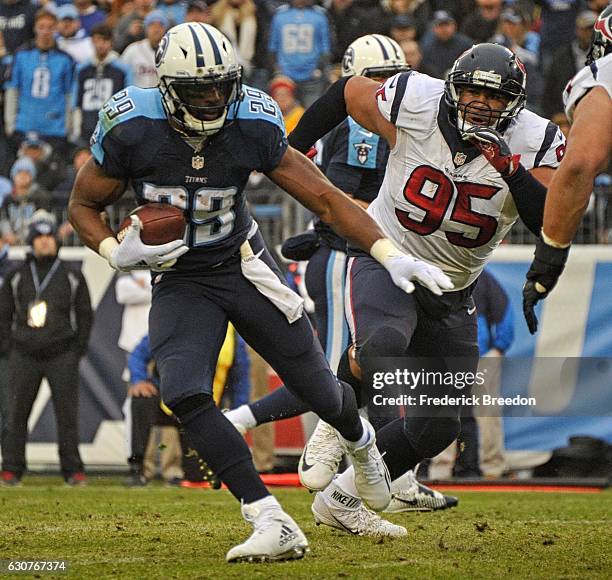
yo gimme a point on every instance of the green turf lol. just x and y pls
(105, 530)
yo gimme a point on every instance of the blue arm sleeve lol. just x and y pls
(239, 380)
(138, 360)
(504, 330)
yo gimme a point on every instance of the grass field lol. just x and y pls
(105, 530)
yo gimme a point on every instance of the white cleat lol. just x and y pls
(371, 475)
(409, 495)
(338, 509)
(276, 537)
(321, 457)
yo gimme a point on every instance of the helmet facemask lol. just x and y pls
(498, 119)
(201, 105)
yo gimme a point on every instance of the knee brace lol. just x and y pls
(431, 435)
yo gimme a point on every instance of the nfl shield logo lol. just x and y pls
(459, 158)
(197, 162)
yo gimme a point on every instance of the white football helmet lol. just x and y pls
(373, 55)
(199, 77)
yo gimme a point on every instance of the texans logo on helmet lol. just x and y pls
(604, 25)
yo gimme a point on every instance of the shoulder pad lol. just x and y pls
(539, 141)
(599, 73)
(130, 103)
(257, 106)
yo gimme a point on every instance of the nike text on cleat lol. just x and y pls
(321, 457)
(338, 509)
(416, 497)
(371, 475)
(276, 537)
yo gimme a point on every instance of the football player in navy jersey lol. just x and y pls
(192, 142)
(466, 161)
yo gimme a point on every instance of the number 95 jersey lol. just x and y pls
(134, 141)
(441, 200)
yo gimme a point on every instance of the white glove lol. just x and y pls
(132, 254)
(404, 268)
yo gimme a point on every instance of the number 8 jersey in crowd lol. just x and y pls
(134, 140)
(440, 199)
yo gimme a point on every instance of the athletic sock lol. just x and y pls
(398, 453)
(242, 415)
(365, 437)
(346, 481)
(280, 404)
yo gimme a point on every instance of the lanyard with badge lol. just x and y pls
(37, 309)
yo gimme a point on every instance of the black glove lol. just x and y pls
(301, 247)
(493, 146)
(548, 264)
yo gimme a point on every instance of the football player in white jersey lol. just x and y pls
(466, 161)
(588, 105)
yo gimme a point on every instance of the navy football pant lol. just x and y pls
(187, 325)
(387, 322)
(325, 282)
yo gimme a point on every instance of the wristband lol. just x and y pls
(550, 242)
(383, 249)
(107, 245)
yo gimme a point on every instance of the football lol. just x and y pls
(161, 223)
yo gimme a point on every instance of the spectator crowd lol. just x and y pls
(61, 61)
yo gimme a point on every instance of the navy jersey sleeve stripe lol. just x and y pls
(198, 48)
(549, 136)
(399, 95)
(382, 47)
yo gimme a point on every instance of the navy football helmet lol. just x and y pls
(602, 36)
(490, 66)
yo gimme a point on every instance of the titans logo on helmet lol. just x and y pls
(161, 50)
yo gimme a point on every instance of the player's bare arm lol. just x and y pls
(589, 107)
(587, 154)
(354, 96)
(93, 190)
(302, 180)
(360, 98)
